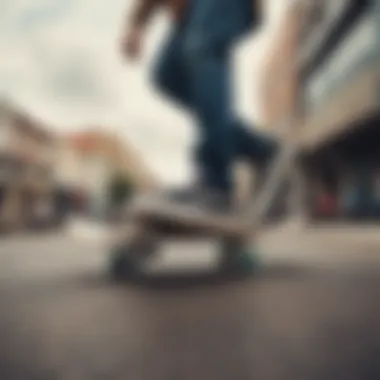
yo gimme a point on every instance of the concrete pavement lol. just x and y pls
(320, 245)
(61, 318)
(291, 242)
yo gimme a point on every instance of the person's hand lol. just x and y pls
(132, 43)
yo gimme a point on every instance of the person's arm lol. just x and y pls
(136, 25)
(142, 12)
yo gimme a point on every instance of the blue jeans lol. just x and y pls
(194, 70)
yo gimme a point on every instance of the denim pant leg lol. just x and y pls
(252, 145)
(208, 64)
(170, 73)
(172, 77)
(214, 26)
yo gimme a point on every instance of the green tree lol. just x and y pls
(120, 189)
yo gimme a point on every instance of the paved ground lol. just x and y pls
(61, 318)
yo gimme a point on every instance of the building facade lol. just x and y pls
(341, 76)
(87, 162)
(341, 91)
(279, 75)
(26, 166)
(333, 93)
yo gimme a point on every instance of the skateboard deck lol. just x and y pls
(180, 220)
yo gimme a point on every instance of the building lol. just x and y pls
(279, 75)
(332, 96)
(87, 161)
(26, 161)
(340, 79)
(341, 75)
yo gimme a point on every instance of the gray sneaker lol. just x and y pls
(193, 203)
(202, 197)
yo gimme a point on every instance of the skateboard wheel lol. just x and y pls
(246, 262)
(127, 258)
(238, 258)
(122, 263)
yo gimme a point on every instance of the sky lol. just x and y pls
(60, 61)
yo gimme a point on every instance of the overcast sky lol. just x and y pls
(60, 61)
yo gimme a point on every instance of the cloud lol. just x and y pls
(61, 55)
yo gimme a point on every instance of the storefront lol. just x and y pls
(341, 105)
(25, 194)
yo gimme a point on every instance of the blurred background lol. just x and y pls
(81, 131)
(70, 105)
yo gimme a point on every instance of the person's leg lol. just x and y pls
(172, 77)
(206, 53)
(214, 28)
(170, 74)
(210, 93)
(252, 145)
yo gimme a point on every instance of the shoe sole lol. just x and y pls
(188, 217)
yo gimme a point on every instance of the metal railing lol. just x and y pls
(285, 164)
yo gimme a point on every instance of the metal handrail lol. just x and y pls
(285, 162)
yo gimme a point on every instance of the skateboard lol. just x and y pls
(151, 227)
(235, 235)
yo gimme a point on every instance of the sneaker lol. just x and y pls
(196, 203)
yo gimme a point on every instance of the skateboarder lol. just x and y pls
(194, 69)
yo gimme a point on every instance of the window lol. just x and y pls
(351, 52)
(321, 21)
